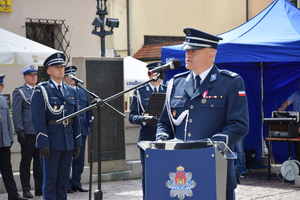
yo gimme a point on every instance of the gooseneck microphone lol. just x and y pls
(174, 64)
(77, 80)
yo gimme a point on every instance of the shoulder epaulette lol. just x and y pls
(19, 87)
(229, 73)
(43, 83)
(181, 74)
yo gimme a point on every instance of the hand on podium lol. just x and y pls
(150, 120)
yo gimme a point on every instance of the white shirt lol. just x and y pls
(203, 75)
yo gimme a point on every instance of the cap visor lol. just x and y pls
(189, 47)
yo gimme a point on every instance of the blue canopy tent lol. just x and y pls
(265, 51)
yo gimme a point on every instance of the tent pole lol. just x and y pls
(262, 108)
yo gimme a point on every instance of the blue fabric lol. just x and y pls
(266, 46)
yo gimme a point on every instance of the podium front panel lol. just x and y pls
(185, 174)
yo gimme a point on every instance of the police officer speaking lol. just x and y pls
(57, 143)
(26, 136)
(147, 124)
(205, 102)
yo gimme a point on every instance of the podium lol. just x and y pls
(181, 169)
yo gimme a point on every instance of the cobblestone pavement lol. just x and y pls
(256, 187)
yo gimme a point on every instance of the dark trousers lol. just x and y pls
(6, 171)
(230, 195)
(77, 167)
(142, 156)
(56, 174)
(29, 152)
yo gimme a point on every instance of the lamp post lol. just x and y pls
(99, 23)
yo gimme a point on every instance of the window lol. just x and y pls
(51, 33)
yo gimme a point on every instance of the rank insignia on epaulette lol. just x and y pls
(213, 77)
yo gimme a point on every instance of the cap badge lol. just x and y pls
(58, 55)
(31, 66)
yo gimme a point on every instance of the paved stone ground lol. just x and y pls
(256, 187)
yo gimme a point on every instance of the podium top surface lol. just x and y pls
(176, 144)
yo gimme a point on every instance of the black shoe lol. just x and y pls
(69, 190)
(27, 194)
(79, 189)
(38, 192)
(244, 175)
(16, 197)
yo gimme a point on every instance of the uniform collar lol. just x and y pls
(203, 75)
(56, 83)
(28, 86)
(152, 87)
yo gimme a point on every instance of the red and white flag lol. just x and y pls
(242, 94)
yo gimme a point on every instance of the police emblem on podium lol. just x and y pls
(181, 183)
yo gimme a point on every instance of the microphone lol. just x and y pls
(174, 64)
(77, 80)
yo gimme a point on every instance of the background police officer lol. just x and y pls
(57, 143)
(85, 125)
(6, 141)
(26, 136)
(147, 124)
(211, 103)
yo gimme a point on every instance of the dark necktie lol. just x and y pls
(197, 85)
(59, 86)
(155, 90)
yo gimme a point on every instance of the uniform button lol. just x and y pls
(212, 105)
(64, 102)
(79, 106)
(189, 134)
(80, 117)
(190, 120)
(192, 107)
(65, 110)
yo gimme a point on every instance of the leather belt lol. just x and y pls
(65, 122)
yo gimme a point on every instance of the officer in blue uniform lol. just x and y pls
(147, 124)
(85, 125)
(6, 141)
(26, 136)
(205, 102)
(57, 143)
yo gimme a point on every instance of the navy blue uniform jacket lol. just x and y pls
(83, 101)
(57, 136)
(147, 132)
(222, 116)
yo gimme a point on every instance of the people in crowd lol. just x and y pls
(147, 124)
(57, 143)
(85, 126)
(6, 141)
(205, 102)
(23, 126)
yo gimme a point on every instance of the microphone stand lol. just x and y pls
(98, 103)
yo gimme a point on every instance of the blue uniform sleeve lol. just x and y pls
(89, 112)
(164, 127)
(77, 135)
(38, 117)
(17, 104)
(237, 117)
(135, 116)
